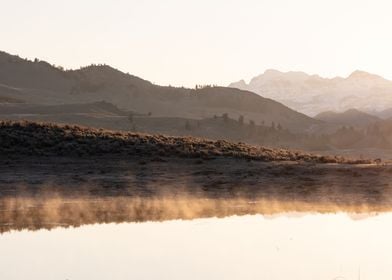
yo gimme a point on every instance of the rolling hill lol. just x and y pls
(352, 117)
(38, 82)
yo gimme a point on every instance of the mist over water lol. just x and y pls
(51, 209)
(222, 219)
(187, 235)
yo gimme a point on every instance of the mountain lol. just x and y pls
(351, 117)
(384, 114)
(38, 82)
(312, 94)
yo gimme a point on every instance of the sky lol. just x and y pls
(189, 42)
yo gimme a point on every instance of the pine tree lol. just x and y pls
(225, 117)
(241, 120)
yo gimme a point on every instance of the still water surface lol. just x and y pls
(290, 246)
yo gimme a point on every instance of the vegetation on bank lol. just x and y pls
(48, 139)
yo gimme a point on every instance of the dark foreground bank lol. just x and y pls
(52, 140)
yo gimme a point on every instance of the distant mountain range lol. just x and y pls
(312, 94)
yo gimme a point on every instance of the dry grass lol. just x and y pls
(47, 139)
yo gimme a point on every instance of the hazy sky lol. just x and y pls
(182, 42)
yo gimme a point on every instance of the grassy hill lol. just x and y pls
(40, 139)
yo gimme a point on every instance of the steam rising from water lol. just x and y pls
(50, 211)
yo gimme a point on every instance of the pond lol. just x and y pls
(291, 245)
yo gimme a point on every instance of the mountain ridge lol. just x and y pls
(312, 94)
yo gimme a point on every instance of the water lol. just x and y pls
(287, 246)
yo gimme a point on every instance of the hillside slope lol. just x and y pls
(60, 109)
(37, 82)
(350, 117)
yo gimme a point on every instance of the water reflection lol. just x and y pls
(47, 211)
(317, 246)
